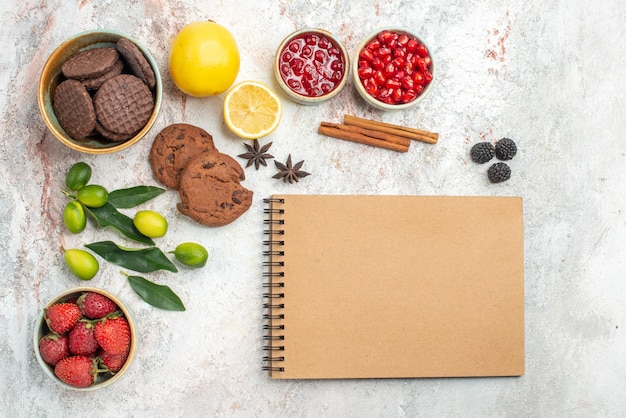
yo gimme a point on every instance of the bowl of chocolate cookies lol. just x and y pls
(100, 92)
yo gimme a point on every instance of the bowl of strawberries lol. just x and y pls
(84, 338)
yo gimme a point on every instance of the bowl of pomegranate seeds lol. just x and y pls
(393, 69)
(84, 339)
(311, 66)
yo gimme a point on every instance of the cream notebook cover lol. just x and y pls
(394, 286)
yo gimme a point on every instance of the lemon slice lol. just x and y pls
(252, 110)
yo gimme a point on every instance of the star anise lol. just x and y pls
(288, 172)
(256, 154)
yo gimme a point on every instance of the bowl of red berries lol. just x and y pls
(311, 66)
(393, 69)
(84, 339)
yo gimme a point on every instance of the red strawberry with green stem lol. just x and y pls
(53, 348)
(82, 340)
(95, 305)
(113, 334)
(61, 317)
(77, 371)
(113, 362)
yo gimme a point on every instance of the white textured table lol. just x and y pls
(550, 75)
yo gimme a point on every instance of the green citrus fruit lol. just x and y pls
(74, 217)
(78, 176)
(81, 263)
(150, 223)
(204, 59)
(191, 254)
(92, 196)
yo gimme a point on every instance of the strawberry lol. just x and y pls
(113, 362)
(53, 348)
(96, 306)
(113, 334)
(61, 317)
(82, 340)
(78, 371)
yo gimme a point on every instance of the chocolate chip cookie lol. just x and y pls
(210, 190)
(172, 149)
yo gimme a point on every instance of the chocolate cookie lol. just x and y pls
(97, 82)
(172, 149)
(74, 109)
(136, 61)
(210, 190)
(123, 104)
(112, 136)
(91, 63)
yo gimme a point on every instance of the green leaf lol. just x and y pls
(157, 295)
(133, 196)
(107, 215)
(144, 260)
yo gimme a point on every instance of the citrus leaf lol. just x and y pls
(133, 196)
(159, 296)
(107, 216)
(144, 260)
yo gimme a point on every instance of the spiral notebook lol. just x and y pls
(393, 286)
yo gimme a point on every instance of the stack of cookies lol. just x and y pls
(106, 91)
(184, 157)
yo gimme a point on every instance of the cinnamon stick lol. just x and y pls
(400, 140)
(347, 135)
(398, 130)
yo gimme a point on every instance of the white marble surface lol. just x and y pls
(551, 75)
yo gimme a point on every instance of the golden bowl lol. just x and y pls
(51, 76)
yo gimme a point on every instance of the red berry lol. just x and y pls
(422, 51)
(61, 317)
(95, 305)
(113, 334)
(77, 371)
(53, 348)
(113, 362)
(82, 340)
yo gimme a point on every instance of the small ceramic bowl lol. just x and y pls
(41, 329)
(393, 69)
(311, 66)
(51, 76)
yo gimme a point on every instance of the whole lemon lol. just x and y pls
(204, 59)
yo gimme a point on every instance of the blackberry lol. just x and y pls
(499, 172)
(505, 149)
(482, 152)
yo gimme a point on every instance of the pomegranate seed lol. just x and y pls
(407, 83)
(285, 70)
(366, 55)
(396, 95)
(399, 52)
(398, 62)
(418, 78)
(312, 40)
(374, 45)
(336, 77)
(380, 78)
(411, 46)
(389, 70)
(403, 40)
(392, 84)
(399, 75)
(377, 64)
(307, 52)
(383, 52)
(428, 77)
(334, 52)
(294, 84)
(421, 64)
(428, 61)
(365, 72)
(384, 93)
(324, 43)
(384, 36)
(363, 63)
(422, 51)
(286, 57)
(386, 59)
(408, 96)
(419, 90)
(294, 47)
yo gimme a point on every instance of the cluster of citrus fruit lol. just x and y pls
(204, 61)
